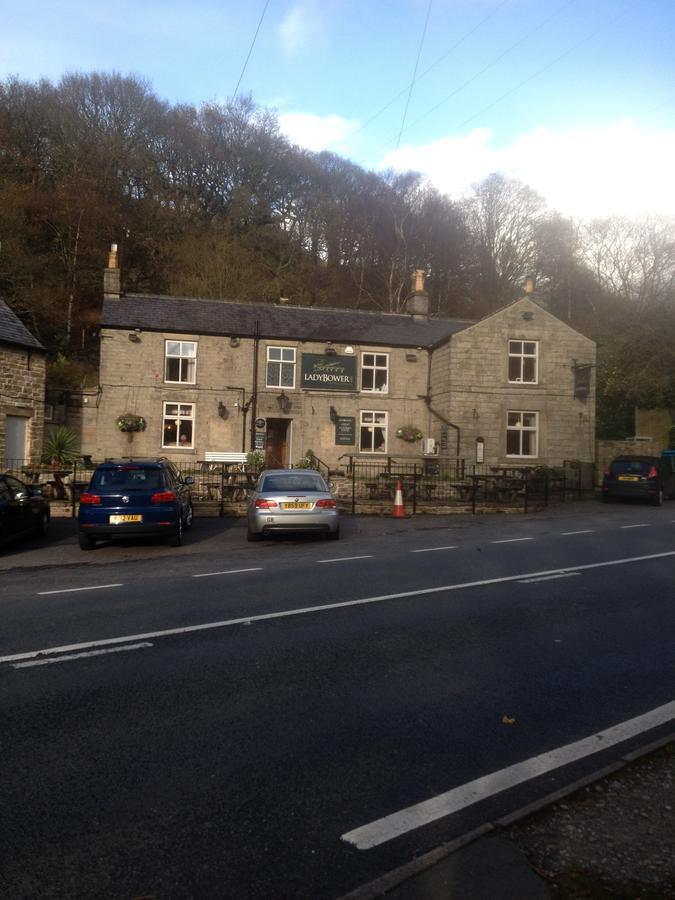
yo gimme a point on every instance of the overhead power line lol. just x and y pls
(250, 49)
(417, 62)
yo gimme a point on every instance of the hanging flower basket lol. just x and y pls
(409, 433)
(130, 423)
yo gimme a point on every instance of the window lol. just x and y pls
(521, 433)
(375, 372)
(178, 425)
(180, 361)
(523, 358)
(373, 437)
(281, 367)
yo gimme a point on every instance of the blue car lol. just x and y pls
(129, 498)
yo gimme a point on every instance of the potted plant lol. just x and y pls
(128, 423)
(255, 459)
(409, 433)
(60, 449)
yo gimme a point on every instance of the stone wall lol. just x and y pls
(22, 393)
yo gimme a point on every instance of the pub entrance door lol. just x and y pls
(276, 444)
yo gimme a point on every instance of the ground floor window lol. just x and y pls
(522, 430)
(178, 425)
(373, 437)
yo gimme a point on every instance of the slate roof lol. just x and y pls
(13, 331)
(295, 323)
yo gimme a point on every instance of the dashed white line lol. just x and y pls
(343, 559)
(93, 587)
(431, 549)
(382, 830)
(327, 607)
(512, 540)
(69, 657)
(588, 531)
(645, 525)
(228, 572)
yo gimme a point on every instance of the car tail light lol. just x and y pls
(163, 497)
(326, 504)
(265, 504)
(92, 499)
(653, 473)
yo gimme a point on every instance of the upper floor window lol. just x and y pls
(523, 362)
(522, 432)
(180, 362)
(281, 367)
(375, 372)
(373, 433)
(178, 425)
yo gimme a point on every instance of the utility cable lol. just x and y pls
(414, 78)
(250, 49)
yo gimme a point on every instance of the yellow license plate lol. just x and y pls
(296, 505)
(119, 520)
(629, 477)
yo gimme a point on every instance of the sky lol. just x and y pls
(575, 98)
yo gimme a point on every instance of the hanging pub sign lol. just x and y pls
(345, 431)
(327, 373)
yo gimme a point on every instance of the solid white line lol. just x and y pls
(589, 531)
(646, 525)
(512, 540)
(382, 830)
(548, 578)
(71, 656)
(431, 549)
(343, 559)
(287, 613)
(228, 572)
(95, 587)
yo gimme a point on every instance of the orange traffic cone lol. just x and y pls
(399, 511)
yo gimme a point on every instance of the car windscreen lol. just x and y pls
(631, 467)
(127, 478)
(292, 484)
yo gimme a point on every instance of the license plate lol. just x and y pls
(119, 520)
(629, 477)
(296, 505)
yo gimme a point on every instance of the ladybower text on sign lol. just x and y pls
(327, 373)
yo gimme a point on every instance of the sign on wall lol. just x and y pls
(327, 373)
(260, 440)
(345, 431)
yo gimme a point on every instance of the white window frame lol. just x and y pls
(371, 424)
(282, 351)
(522, 356)
(374, 368)
(187, 361)
(178, 418)
(520, 429)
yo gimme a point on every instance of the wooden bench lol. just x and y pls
(227, 456)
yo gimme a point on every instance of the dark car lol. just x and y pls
(135, 498)
(640, 477)
(23, 509)
(292, 500)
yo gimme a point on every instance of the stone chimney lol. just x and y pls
(111, 276)
(529, 284)
(417, 303)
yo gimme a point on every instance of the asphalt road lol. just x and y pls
(255, 718)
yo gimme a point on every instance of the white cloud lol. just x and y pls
(618, 168)
(301, 26)
(317, 132)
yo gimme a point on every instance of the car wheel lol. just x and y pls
(86, 541)
(176, 538)
(43, 524)
(189, 516)
(334, 535)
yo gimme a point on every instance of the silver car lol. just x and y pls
(292, 500)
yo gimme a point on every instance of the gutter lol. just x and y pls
(434, 412)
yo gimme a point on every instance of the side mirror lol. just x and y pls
(331, 485)
(188, 480)
(34, 492)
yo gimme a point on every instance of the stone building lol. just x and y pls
(22, 391)
(181, 377)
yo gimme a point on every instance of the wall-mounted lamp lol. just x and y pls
(283, 401)
(135, 336)
(330, 349)
(223, 411)
(333, 415)
(234, 341)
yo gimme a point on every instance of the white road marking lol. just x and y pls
(343, 559)
(344, 604)
(398, 823)
(431, 549)
(646, 525)
(94, 587)
(71, 656)
(512, 540)
(548, 577)
(228, 572)
(589, 531)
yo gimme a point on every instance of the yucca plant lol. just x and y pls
(60, 447)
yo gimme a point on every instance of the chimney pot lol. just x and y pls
(529, 284)
(111, 276)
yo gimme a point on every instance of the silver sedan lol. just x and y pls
(292, 500)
